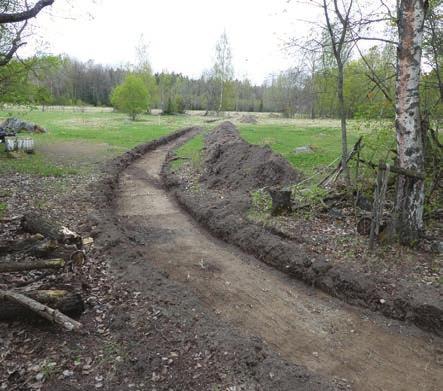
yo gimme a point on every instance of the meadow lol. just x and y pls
(79, 140)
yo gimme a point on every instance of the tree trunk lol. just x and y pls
(69, 303)
(12, 246)
(37, 224)
(344, 134)
(221, 97)
(408, 214)
(11, 267)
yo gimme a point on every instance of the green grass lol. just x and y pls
(111, 128)
(2, 209)
(35, 164)
(112, 134)
(323, 136)
(324, 141)
(190, 151)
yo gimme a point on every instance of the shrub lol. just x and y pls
(131, 97)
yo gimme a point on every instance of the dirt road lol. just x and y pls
(302, 324)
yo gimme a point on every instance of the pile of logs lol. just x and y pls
(45, 246)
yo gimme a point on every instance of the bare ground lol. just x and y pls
(304, 325)
(141, 330)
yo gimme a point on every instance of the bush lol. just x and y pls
(170, 107)
(131, 97)
(174, 106)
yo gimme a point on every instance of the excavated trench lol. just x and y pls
(304, 325)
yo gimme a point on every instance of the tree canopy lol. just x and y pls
(131, 97)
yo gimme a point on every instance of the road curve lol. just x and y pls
(304, 325)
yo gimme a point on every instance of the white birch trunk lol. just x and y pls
(410, 191)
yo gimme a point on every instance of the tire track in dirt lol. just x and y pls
(302, 324)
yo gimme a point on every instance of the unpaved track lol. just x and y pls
(302, 324)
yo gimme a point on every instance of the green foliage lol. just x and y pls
(363, 98)
(261, 201)
(20, 80)
(131, 97)
(175, 105)
(309, 194)
(170, 107)
(378, 139)
(3, 207)
(179, 105)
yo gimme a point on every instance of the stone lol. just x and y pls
(303, 149)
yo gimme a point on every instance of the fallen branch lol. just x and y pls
(68, 302)
(179, 158)
(8, 267)
(395, 169)
(332, 177)
(54, 316)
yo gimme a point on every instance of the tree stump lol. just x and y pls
(281, 201)
(364, 226)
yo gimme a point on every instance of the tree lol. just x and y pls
(433, 43)
(14, 17)
(339, 30)
(409, 202)
(144, 70)
(131, 97)
(223, 70)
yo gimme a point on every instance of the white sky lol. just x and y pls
(181, 34)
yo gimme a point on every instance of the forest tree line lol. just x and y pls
(307, 91)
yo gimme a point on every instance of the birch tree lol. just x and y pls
(409, 203)
(223, 70)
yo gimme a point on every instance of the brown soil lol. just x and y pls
(141, 331)
(302, 324)
(75, 152)
(219, 197)
(235, 165)
(149, 326)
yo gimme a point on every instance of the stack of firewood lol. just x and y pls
(45, 251)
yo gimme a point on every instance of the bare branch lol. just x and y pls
(25, 15)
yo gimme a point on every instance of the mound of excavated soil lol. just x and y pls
(231, 163)
(234, 168)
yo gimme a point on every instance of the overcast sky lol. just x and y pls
(181, 34)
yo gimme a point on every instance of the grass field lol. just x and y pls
(78, 141)
(92, 136)
(322, 136)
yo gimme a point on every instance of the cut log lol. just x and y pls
(31, 305)
(35, 223)
(45, 249)
(281, 201)
(13, 246)
(69, 303)
(8, 267)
